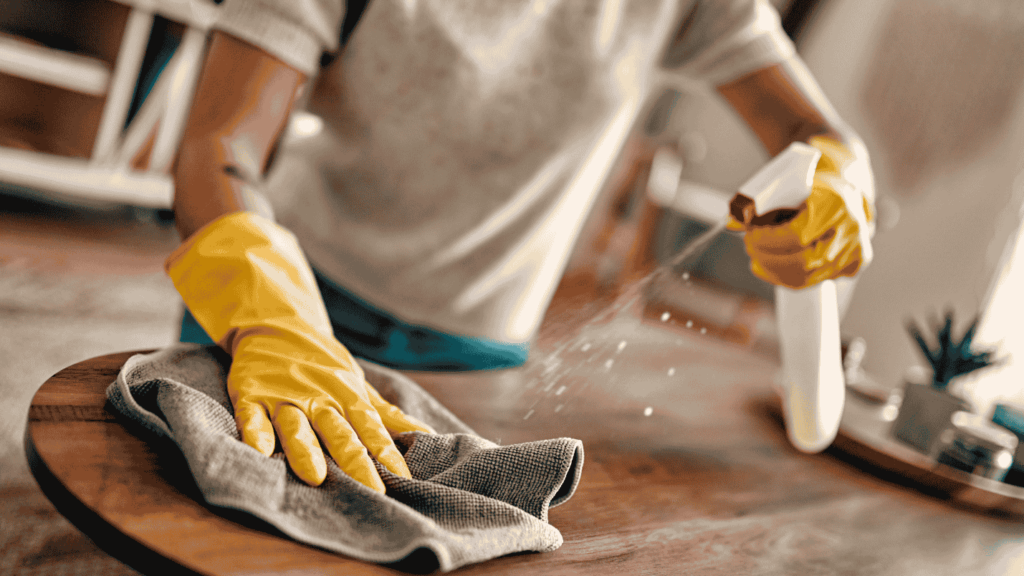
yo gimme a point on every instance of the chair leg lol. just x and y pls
(141, 131)
(179, 99)
(122, 86)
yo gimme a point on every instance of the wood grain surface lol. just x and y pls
(687, 471)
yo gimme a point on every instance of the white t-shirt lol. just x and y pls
(465, 141)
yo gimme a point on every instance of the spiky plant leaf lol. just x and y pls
(951, 358)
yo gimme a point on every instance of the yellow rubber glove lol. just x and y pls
(828, 237)
(249, 286)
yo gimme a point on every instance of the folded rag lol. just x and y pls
(469, 499)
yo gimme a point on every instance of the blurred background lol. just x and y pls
(934, 88)
(93, 95)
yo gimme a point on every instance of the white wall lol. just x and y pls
(953, 227)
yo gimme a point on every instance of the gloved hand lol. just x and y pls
(249, 286)
(828, 237)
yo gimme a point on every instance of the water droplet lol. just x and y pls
(689, 323)
(528, 414)
(671, 371)
(585, 347)
(622, 345)
(665, 316)
(559, 407)
(608, 364)
(560, 390)
(703, 330)
(889, 413)
(648, 411)
(686, 275)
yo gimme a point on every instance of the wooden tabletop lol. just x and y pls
(687, 471)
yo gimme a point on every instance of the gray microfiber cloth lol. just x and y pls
(469, 499)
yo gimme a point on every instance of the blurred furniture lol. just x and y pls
(129, 162)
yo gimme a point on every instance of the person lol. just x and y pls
(428, 222)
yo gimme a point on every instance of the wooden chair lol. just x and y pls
(111, 172)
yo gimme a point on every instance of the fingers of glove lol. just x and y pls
(847, 266)
(847, 263)
(398, 422)
(347, 450)
(823, 214)
(300, 444)
(825, 210)
(829, 255)
(782, 271)
(834, 155)
(808, 267)
(392, 416)
(780, 239)
(255, 426)
(367, 423)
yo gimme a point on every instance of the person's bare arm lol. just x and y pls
(241, 107)
(783, 104)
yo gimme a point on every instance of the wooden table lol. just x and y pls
(687, 471)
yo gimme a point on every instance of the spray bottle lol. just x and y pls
(813, 386)
(813, 383)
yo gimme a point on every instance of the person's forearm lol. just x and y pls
(784, 104)
(242, 104)
(208, 186)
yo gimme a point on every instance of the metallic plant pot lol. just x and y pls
(975, 445)
(924, 414)
(1011, 417)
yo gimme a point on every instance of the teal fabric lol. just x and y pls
(373, 334)
(1009, 417)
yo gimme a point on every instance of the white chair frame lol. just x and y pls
(108, 176)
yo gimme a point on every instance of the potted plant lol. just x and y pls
(927, 406)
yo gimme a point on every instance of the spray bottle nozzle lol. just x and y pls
(744, 210)
(784, 182)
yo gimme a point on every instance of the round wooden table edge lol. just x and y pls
(104, 534)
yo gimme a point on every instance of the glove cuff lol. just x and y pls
(243, 272)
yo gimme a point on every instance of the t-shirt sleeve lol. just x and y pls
(297, 32)
(722, 40)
